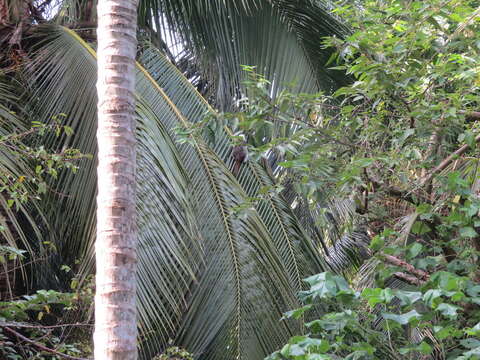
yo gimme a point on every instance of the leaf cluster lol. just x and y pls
(378, 322)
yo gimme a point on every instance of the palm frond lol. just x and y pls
(220, 228)
(200, 266)
(281, 38)
(169, 251)
(244, 258)
(275, 212)
(21, 223)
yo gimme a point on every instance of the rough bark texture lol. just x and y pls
(4, 18)
(115, 313)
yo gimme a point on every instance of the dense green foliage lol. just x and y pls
(34, 313)
(212, 283)
(174, 353)
(401, 143)
(439, 319)
(377, 182)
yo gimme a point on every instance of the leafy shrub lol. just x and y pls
(400, 147)
(174, 353)
(378, 323)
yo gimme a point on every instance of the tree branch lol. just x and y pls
(419, 274)
(471, 115)
(40, 346)
(447, 161)
(409, 278)
(28, 326)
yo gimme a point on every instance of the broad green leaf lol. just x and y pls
(378, 296)
(468, 232)
(297, 313)
(448, 310)
(402, 319)
(408, 298)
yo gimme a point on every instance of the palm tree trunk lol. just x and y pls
(115, 309)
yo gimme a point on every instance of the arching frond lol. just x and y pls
(281, 38)
(22, 222)
(216, 282)
(193, 109)
(170, 252)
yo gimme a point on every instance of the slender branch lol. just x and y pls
(20, 325)
(447, 161)
(391, 190)
(420, 274)
(40, 346)
(409, 278)
(472, 116)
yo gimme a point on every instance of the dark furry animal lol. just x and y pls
(239, 154)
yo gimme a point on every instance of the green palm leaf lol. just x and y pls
(275, 213)
(200, 267)
(21, 223)
(281, 38)
(188, 102)
(169, 250)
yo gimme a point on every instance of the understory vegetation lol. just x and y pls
(351, 231)
(401, 143)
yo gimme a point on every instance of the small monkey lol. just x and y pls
(240, 155)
